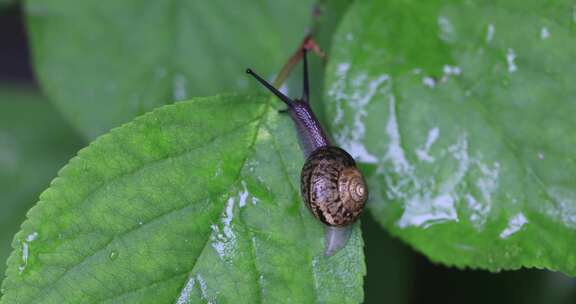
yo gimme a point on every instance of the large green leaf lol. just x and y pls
(34, 143)
(104, 62)
(196, 201)
(464, 111)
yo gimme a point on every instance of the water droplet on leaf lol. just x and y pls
(113, 254)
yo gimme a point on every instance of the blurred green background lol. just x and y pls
(35, 141)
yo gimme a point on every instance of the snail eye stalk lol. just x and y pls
(272, 89)
(306, 82)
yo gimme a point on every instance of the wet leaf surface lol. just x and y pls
(463, 114)
(185, 204)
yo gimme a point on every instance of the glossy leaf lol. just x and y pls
(464, 115)
(104, 62)
(197, 201)
(34, 143)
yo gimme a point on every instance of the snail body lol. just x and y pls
(331, 185)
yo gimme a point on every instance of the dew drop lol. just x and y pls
(544, 33)
(25, 253)
(429, 82)
(32, 236)
(113, 254)
(510, 59)
(26, 250)
(490, 33)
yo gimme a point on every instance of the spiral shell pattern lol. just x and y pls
(332, 187)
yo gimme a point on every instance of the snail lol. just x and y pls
(331, 185)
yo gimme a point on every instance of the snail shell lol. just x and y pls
(332, 187)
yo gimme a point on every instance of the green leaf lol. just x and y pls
(196, 201)
(34, 142)
(104, 62)
(464, 114)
